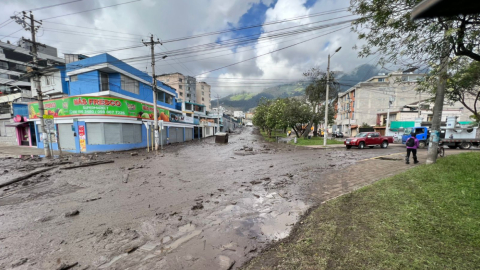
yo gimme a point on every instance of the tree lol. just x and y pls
(316, 93)
(388, 30)
(296, 112)
(260, 117)
(463, 83)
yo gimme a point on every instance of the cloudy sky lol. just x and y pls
(313, 24)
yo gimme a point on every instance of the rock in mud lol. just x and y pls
(198, 206)
(134, 154)
(72, 213)
(66, 266)
(255, 182)
(19, 262)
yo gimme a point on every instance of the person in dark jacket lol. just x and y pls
(412, 148)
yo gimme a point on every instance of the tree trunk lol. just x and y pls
(309, 126)
(315, 130)
(296, 133)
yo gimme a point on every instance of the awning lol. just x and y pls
(379, 127)
(16, 124)
(353, 126)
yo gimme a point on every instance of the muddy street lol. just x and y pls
(197, 205)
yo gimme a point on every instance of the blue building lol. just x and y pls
(107, 105)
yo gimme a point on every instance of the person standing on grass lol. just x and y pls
(412, 146)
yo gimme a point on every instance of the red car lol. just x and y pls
(370, 139)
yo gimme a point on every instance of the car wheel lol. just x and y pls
(384, 144)
(361, 145)
(349, 146)
(421, 144)
(465, 145)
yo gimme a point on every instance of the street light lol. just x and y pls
(325, 130)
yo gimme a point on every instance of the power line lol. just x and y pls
(270, 52)
(89, 10)
(97, 29)
(60, 4)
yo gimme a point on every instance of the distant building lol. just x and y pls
(204, 95)
(361, 103)
(27, 45)
(238, 114)
(15, 91)
(185, 86)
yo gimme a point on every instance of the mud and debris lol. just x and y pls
(165, 210)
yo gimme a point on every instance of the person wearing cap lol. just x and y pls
(412, 146)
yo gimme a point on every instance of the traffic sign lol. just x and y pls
(49, 122)
(47, 116)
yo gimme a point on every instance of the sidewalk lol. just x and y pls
(365, 172)
(343, 146)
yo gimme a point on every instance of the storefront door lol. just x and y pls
(66, 136)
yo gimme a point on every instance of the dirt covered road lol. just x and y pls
(197, 205)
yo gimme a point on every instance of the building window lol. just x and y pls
(180, 86)
(168, 99)
(161, 96)
(113, 133)
(3, 76)
(381, 79)
(180, 80)
(3, 65)
(49, 80)
(203, 93)
(203, 99)
(181, 94)
(168, 80)
(129, 84)
(104, 82)
(188, 95)
(74, 78)
(202, 87)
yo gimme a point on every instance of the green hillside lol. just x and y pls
(245, 101)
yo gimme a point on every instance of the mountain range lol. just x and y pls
(245, 101)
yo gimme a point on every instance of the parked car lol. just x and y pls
(249, 124)
(337, 134)
(370, 139)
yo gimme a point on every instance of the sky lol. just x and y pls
(268, 54)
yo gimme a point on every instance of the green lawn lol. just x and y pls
(425, 218)
(275, 133)
(315, 141)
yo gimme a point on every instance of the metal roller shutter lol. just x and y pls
(172, 135)
(65, 135)
(179, 134)
(188, 134)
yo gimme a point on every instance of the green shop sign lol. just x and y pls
(96, 106)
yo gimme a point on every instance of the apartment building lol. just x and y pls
(204, 95)
(362, 103)
(185, 86)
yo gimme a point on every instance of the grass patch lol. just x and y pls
(275, 133)
(315, 141)
(425, 218)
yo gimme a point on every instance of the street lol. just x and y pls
(196, 205)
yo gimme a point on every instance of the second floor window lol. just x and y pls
(181, 94)
(180, 86)
(203, 93)
(49, 80)
(130, 85)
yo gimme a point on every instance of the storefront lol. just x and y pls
(95, 124)
(24, 131)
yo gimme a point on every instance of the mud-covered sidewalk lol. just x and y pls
(197, 205)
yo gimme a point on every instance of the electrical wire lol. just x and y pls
(56, 5)
(59, 16)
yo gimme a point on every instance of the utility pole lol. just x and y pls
(33, 29)
(218, 112)
(437, 109)
(152, 44)
(419, 100)
(325, 130)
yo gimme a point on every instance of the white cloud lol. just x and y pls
(173, 19)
